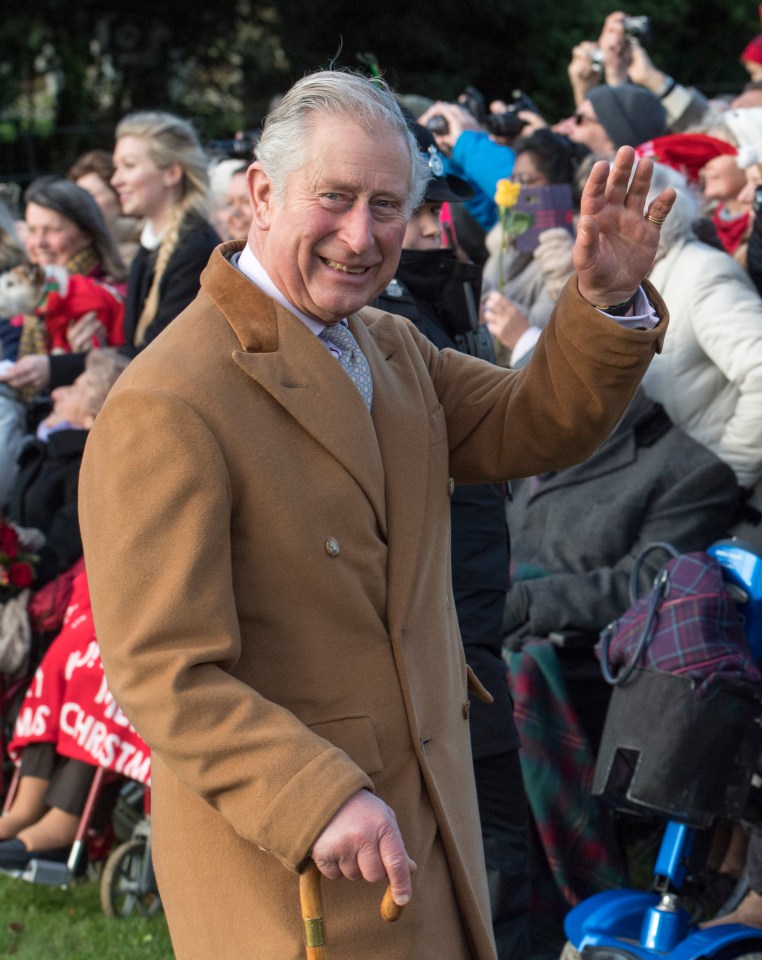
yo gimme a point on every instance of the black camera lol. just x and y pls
(638, 27)
(437, 124)
(472, 100)
(509, 124)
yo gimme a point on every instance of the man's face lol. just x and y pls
(585, 127)
(333, 242)
(722, 178)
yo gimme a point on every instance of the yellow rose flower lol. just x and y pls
(507, 193)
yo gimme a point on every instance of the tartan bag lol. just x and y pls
(682, 734)
(687, 624)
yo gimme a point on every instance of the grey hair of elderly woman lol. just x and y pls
(73, 202)
(12, 251)
(684, 213)
(335, 93)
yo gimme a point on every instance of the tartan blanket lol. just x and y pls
(557, 764)
(68, 702)
(691, 626)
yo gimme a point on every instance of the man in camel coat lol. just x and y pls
(268, 545)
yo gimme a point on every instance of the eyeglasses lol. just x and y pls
(581, 118)
(525, 179)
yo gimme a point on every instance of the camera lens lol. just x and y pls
(438, 124)
(507, 124)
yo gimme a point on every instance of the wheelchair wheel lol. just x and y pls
(124, 889)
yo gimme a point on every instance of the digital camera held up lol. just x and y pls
(638, 28)
(509, 124)
(506, 125)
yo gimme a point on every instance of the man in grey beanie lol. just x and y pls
(617, 116)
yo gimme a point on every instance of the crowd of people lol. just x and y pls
(489, 255)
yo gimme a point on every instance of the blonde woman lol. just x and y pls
(161, 177)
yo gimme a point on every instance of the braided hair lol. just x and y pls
(171, 140)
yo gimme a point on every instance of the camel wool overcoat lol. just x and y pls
(270, 574)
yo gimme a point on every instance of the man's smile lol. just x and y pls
(334, 265)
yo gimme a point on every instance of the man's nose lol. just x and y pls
(357, 229)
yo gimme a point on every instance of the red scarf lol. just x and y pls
(731, 232)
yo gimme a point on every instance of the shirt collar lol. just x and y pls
(250, 267)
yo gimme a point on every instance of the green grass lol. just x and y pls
(46, 923)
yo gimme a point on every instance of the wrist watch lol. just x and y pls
(618, 309)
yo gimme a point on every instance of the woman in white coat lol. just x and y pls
(709, 374)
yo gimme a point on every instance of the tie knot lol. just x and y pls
(340, 336)
(351, 358)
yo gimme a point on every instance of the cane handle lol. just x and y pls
(312, 912)
(390, 910)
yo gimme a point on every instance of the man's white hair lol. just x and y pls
(687, 208)
(335, 93)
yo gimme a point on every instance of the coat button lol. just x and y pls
(466, 710)
(332, 547)
(450, 487)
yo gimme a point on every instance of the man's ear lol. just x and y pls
(261, 195)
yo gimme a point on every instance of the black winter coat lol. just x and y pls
(45, 496)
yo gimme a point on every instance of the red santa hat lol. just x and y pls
(685, 152)
(753, 50)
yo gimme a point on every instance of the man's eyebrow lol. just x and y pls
(340, 186)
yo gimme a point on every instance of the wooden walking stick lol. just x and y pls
(312, 912)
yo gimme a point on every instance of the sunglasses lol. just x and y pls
(581, 118)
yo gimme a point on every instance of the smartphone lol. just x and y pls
(543, 208)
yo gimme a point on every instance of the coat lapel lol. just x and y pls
(402, 428)
(288, 361)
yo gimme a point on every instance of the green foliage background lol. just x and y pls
(221, 63)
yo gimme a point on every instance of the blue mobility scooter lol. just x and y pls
(666, 752)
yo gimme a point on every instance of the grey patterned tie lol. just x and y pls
(352, 359)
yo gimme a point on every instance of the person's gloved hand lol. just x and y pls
(554, 256)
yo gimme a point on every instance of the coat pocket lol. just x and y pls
(356, 736)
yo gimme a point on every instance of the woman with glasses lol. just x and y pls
(522, 285)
